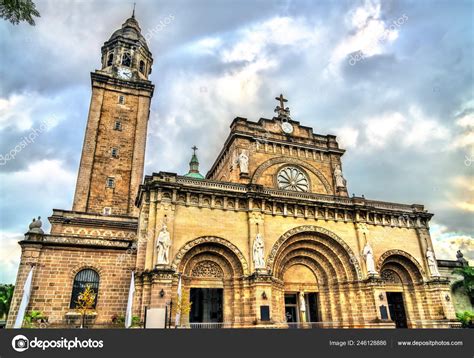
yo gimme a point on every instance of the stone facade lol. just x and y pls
(313, 245)
(274, 178)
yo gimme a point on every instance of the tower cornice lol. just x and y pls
(106, 79)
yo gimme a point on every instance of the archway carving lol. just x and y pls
(321, 232)
(416, 271)
(218, 241)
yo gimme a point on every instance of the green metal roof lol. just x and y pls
(194, 175)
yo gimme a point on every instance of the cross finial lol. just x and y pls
(282, 101)
(133, 13)
(281, 110)
(194, 148)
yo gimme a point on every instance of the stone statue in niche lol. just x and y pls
(369, 259)
(433, 266)
(163, 244)
(259, 252)
(302, 302)
(340, 181)
(243, 161)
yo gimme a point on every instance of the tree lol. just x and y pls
(85, 303)
(18, 10)
(467, 282)
(182, 306)
(6, 295)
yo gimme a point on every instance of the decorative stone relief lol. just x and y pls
(316, 229)
(389, 253)
(210, 239)
(291, 178)
(390, 277)
(207, 269)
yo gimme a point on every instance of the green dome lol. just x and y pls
(194, 175)
(194, 166)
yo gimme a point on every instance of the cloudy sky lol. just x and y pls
(393, 80)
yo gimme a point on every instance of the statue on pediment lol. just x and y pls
(243, 161)
(339, 178)
(259, 252)
(163, 244)
(369, 259)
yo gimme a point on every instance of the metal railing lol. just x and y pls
(210, 325)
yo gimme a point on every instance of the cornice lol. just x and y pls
(169, 188)
(141, 85)
(72, 241)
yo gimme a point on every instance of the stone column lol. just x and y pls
(262, 296)
(150, 246)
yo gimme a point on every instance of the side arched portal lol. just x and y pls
(212, 270)
(402, 278)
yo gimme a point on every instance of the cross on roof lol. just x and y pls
(282, 101)
(194, 148)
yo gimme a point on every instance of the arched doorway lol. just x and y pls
(318, 273)
(301, 293)
(400, 274)
(212, 271)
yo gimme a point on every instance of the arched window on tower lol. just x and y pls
(84, 278)
(142, 67)
(110, 59)
(127, 59)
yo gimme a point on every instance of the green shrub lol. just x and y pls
(466, 318)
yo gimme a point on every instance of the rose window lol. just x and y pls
(291, 178)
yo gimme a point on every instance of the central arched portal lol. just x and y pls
(319, 277)
(301, 294)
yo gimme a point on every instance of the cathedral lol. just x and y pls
(269, 237)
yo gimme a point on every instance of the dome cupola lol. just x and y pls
(126, 54)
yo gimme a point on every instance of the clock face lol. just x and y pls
(287, 127)
(124, 73)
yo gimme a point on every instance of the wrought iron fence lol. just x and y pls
(210, 325)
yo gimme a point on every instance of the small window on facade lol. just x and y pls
(107, 211)
(110, 59)
(114, 153)
(118, 126)
(126, 59)
(110, 182)
(83, 279)
(121, 99)
(142, 67)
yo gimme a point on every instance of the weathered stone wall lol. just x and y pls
(54, 270)
(97, 163)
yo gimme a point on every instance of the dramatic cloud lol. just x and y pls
(392, 79)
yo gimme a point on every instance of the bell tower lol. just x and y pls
(113, 153)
